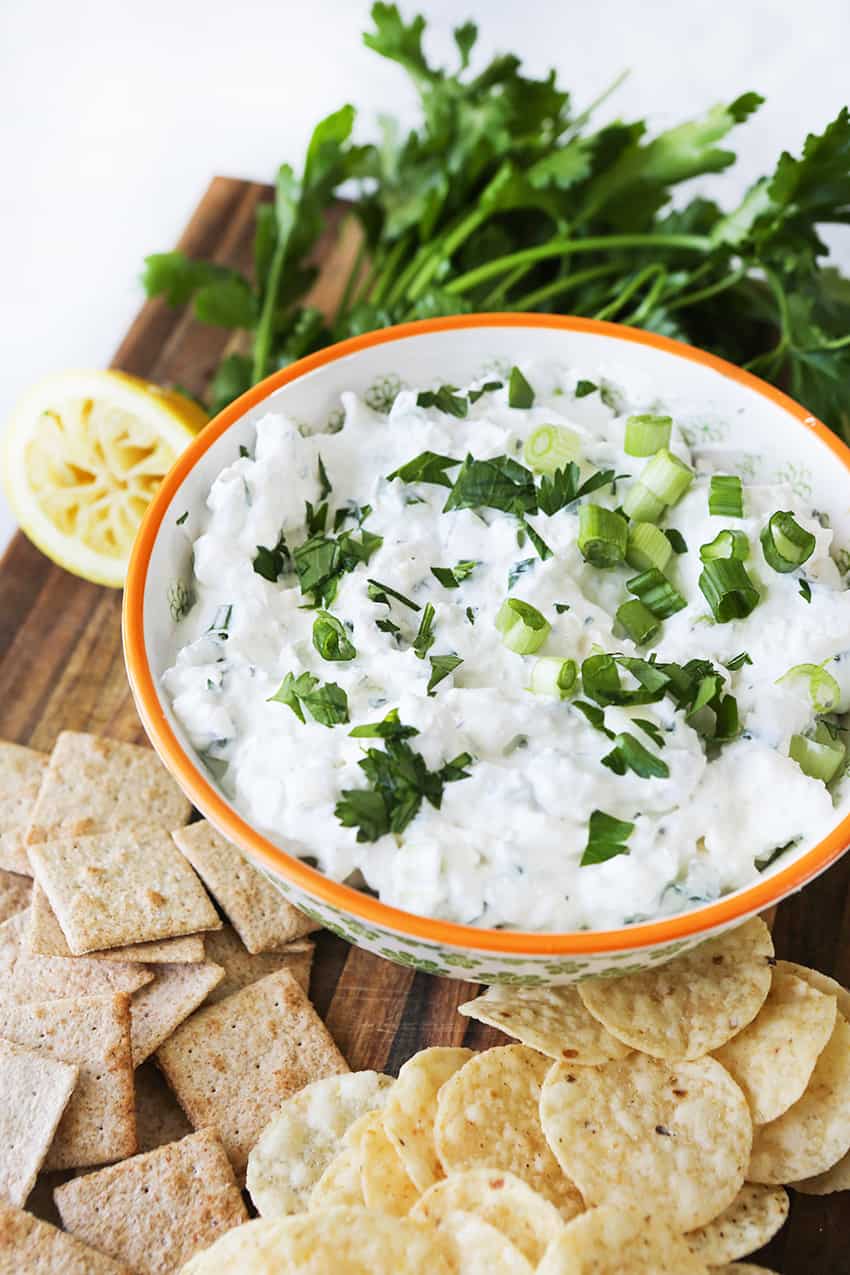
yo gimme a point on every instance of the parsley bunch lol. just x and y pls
(505, 198)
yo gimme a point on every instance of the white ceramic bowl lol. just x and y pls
(743, 422)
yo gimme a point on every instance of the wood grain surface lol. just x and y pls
(61, 668)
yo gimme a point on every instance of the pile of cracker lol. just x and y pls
(646, 1125)
(143, 1026)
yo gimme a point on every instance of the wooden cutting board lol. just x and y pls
(61, 668)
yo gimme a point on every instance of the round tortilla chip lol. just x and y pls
(835, 1179)
(695, 1003)
(528, 1220)
(643, 1133)
(773, 1058)
(340, 1185)
(488, 1117)
(387, 1188)
(350, 1240)
(479, 1248)
(412, 1105)
(299, 1142)
(550, 1019)
(742, 1268)
(250, 1249)
(814, 1134)
(753, 1218)
(822, 982)
(613, 1241)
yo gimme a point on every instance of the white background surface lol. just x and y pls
(115, 114)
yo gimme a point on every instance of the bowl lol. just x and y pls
(741, 422)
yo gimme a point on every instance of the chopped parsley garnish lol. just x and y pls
(324, 481)
(677, 541)
(520, 393)
(330, 638)
(451, 577)
(445, 399)
(179, 521)
(606, 838)
(628, 753)
(399, 781)
(583, 388)
(359, 513)
(805, 590)
(425, 639)
(243, 452)
(221, 621)
(487, 388)
(470, 614)
(441, 666)
(500, 483)
(519, 569)
(561, 607)
(738, 661)
(382, 593)
(326, 702)
(427, 467)
(316, 519)
(271, 564)
(386, 626)
(322, 560)
(563, 487)
(543, 550)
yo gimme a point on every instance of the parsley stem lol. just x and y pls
(711, 290)
(565, 247)
(504, 286)
(388, 274)
(265, 324)
(352, 281)
(443, 250)
(565, 283)
(643, 276)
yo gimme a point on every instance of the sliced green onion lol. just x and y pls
(726, 496)
(553, 676)
(726, 544)
(824, 691)
(602, 535)
(638, 621)
(785, 544)
(648, 546)
(645, 435)
(663, 482)
(656, 593)
(819, 756)
(730, 592)
(523, 628)
(551, 447)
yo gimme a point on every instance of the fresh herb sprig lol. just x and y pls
(506, 197)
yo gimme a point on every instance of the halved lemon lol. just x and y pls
(84, 453)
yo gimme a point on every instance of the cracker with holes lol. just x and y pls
(92, 1034)
(26, 977)
(231, 1065)
(264, 920)
(15, 894)
(241, 967)
(128, 885)
(693, 1004)
(159, 1008)
(21, 773)
(27, 1244)
(35, 1091)
(304, 1134)
(93, 785)
(45, 938)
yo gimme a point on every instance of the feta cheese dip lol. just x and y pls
(515, 655)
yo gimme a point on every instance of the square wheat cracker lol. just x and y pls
(29, 1245)
(45, 938)
(159, 1008)
(232, 1064)
(92, 785)
(92, 1033)
(242, 968)
(21, 773)
(35, 1090)
(26, 977)
(15, 893)
(124, 886)
(158, 1209)
(264, 920)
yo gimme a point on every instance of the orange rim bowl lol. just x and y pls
(347, 899)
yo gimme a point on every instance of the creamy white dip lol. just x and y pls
(505, 847)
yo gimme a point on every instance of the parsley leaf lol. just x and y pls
(427, 467)
(382, 593)
(322, 560)
(519, 569)
(738, 661)
(425, 639)
(677, 541)
(805, 591)
(326, 702)
(500, 483)
(629, 753)
(606, 838)
(441, 666)
(271, 564)
(330, 638)
(324, 482)
(563, 487)
(445, 399)
(520, 393)
(583, 388)
(451, 577)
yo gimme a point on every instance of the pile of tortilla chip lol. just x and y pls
(153, 1014)
(645, 1125)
